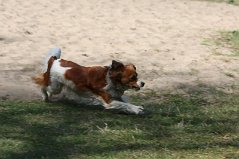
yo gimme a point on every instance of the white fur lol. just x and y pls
(115, 92)
(57, 78)
(125, 107)
(58, 74)
(52, 52)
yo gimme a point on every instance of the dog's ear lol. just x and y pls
(116, 65)
(133, 66)
(116, 71)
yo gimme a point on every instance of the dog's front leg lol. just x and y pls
(125, 107)
(124, 99)
(109, 103)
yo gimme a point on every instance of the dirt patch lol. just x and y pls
(162, 38)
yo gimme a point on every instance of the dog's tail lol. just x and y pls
(56, 52)
(43, 79)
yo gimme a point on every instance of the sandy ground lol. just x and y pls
(163, 38)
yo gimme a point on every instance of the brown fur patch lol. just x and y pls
(39, 80)
(126, 76)
(129, 76)
(88, 78)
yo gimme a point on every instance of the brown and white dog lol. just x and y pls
(107, 82)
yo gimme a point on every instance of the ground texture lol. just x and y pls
(166, 39)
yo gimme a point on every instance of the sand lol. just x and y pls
(163, 38)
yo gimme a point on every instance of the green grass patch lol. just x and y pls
(229, 39)
(234, 2)
(201, 125)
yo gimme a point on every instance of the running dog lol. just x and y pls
(106, 82)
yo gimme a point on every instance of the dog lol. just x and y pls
(107, 83)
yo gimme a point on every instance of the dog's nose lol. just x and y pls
(142, 84)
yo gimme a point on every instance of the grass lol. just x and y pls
(226, 39)
(234, 2)
(202, 125)
(230, 38)
(229, 74)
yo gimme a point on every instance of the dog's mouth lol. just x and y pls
(138, 86)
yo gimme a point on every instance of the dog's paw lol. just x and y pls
(141, 107)
(141, 113)
(45, 99)
(139, 110)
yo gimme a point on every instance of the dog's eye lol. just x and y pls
(134, 78)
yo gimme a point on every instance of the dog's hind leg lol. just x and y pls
(44, 94)
(54, 88)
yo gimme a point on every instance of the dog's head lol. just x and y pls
(125, 76)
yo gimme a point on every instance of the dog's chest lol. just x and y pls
(115, 93)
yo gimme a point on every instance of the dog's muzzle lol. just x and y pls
(140, 85)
